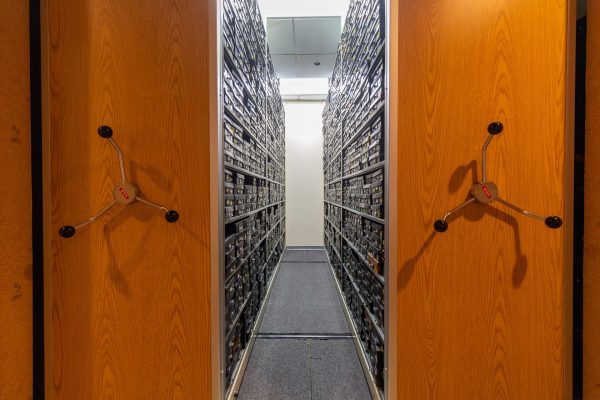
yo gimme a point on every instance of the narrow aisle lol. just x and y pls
(304, 349)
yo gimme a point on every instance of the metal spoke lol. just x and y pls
(151, 204)
(484, 158)
(520, 210)
(121, 162)
(95, 217)
(463, 205)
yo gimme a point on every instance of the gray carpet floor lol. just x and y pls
(304, 302)
(312, 256)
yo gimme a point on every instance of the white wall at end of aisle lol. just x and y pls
(304, 173)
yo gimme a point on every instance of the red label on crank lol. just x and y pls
(124, 193)
(486, 191)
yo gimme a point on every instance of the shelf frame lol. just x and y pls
(373, 319)
(379, 110)
(243, 264)
(364, 171)
(334, 248)
(268, 88)
(367, 216)
(238, 373)
(373, 115)
(365, 262)
(332, 182)
(263, 239)
(332, 203)
(246, 172)
(251, 213)
(337, 229)
(362, 356)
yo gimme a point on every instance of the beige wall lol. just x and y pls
(304, 173)
(15, 208)
(591, 306)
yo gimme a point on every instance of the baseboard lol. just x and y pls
(318, 248)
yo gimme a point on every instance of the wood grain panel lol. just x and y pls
(481, 307)
(131, 293)
(15, 212)
(591, 291)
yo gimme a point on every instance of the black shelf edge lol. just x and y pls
(373, 319)
(265, 85)
(332, 224)
(234, 69)
(367, 216)
(243, 307)
(275, 226)
(275, 248)
(236, 118)
(263, 239)
(276, 161)
(380, 54)
(251, 213)
(278, 183)
(277, 244)
(245, 260)
(365, 262)
(337, 253)
(332, 182)
(239, 314)
(365, 171)
(333, 204)
(376, 323)
(335, 156)
(354, 326)
(246, 301)
(353, 281)
(374, 114)
(380, 110)
(243, 171)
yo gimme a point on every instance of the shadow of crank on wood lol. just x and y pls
(473, 213)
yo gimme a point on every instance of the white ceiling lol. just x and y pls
(301, 33)
(280, 35)
(317, 35)
(304, 47)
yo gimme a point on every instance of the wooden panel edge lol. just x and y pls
(46, 188)
(571, 46)
(215, 201)
(392, 190)
(591, 286)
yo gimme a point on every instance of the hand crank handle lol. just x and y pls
(495, 128)
(69, 231)
(441, 225)
(486, 192)
(552, 221)
(125, 193)
(106, 132)
(170, 215)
